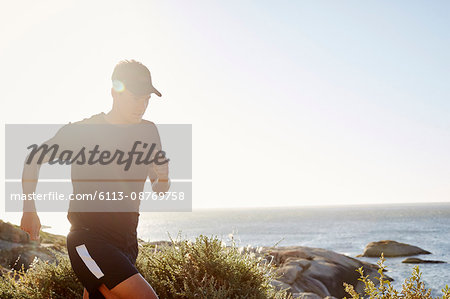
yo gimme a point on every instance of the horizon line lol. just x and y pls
(323, 206)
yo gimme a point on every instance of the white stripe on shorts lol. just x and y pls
(89, 261)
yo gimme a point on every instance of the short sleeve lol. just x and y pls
(64, 140)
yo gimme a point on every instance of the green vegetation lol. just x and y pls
(200, 269)
(207, 269)
(42, 280)
(204, 268)
(412, 288)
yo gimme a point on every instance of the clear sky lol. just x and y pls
(291, 102)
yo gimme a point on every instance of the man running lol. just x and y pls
(102, 243)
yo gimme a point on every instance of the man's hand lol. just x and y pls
(162, 171)
(162, 182)
(161, 186)
(31, 224)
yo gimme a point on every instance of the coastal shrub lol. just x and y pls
(200, 269)
(42, 280)
(205, 268)
(412, 288)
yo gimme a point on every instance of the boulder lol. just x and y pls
(415, 260)
(12, 233)
(278, 285)
(306, 295)
(391, 249)
(318, 271)
(17, 251)
(23, 256)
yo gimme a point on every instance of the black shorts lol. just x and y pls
(96, 261)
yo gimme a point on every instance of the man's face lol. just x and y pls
(131, 107)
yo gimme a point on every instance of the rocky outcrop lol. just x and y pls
(12, 234)
(306, 295)
(17, 251)
(415, 260)
(305, 270)
(391, 249)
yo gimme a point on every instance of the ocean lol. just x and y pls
(344, 229)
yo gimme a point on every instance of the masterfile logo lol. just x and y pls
(94, 156)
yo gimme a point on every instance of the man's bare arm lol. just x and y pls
(30, 222)
(159, 176)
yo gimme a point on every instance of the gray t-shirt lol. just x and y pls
(101, 166)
